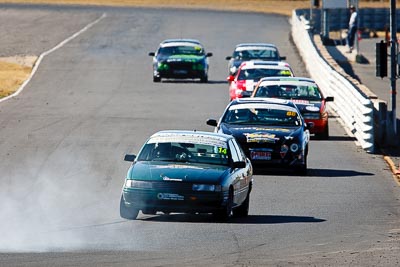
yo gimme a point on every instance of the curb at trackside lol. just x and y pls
(395, 170)
(39, 60)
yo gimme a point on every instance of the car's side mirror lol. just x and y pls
(309, 125)
(246, 94)
(228, 58)
(152, 54)
(329, 99)
(239, 164)
(230, 78)
(212, 122)
(283, 58)
(209, 54)
(130, 157)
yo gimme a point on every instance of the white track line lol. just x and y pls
(37, 63)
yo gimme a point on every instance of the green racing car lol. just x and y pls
(180, 59)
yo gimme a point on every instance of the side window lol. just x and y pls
(234, 152)
(241, 155)
(237, 152)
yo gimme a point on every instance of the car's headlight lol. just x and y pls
(206, 187)
(233, 69)
(198, 66)
(294, 147)
(162, 66)
(138, 184)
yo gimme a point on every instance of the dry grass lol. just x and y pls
(284, 7)
(272, 6)
(12, 75)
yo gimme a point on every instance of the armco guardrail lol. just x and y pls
(352, 106)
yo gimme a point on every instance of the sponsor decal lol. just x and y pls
(175, 166)
(190, 139)
(260, 138)
(300, 101)
(166, 178)
(284, 150)
(283, 130)
(312, 108)
(186, 58)
(169, 196)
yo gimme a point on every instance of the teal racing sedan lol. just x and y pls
(188, 172)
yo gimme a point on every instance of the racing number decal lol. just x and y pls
(222, 150)
(285, 72)
(291, 114)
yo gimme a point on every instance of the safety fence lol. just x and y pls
(354, 108)
(376, 19)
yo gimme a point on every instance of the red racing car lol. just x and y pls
(250, 72)
(305, 93)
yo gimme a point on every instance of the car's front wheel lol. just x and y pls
(324, 135)
(156, 79)
(242, 210)
(302, 169)
(226, 212)
(204, 79)
(127, 212)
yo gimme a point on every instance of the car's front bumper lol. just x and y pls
(181, 70)
(174, 200)
(320, 125)
(320, 121)
(277, 159)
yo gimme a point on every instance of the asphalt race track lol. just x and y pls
(63, 139)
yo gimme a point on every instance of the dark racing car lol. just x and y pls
(189, 172)
(180, 59)
(271, 132)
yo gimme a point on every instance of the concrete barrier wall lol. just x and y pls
(354, 108)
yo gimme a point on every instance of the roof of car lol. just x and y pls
(262, 63)
(180, 42)
(265, 100)
(263, 103)
(287, 79)
(256, 44)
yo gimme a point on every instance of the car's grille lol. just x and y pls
(181, 65)
(172, 186)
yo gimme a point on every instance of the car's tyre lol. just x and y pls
(324, 135)
(156, 79)
(204, 79)
(149, 211)
(226, 212)
(242, 210)
(302, 169)
(126, 212)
